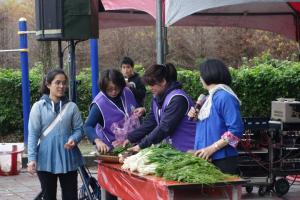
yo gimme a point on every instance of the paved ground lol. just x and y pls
(25, 187)
(293, 194)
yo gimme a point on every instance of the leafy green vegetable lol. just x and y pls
(118, 150)
(177, 166)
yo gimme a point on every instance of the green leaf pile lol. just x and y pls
(184, 167)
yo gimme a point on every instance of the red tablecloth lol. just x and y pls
(132, 186)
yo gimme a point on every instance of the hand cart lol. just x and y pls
(268, 152)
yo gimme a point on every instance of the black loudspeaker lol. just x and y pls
(66, 19)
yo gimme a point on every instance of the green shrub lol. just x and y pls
(257, 83)
(10, 101)
(84, 91)
(191, 82)
(264, 82)
(11, 118)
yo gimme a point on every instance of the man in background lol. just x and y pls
(133, 80)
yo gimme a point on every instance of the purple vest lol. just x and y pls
(184, 137)
(111, 113)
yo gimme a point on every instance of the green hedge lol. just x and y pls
(268, 80)
(11, 117)
(265, 80)
(10, 100)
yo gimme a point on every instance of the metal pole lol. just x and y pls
(72, 72)
(165, 44)
(25, 76)
(94, 66)
(13, 50)
(60, 55)
(159, 42)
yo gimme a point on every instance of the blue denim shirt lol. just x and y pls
(50, 154)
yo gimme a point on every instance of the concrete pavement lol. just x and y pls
(25, 186)
(22, 186)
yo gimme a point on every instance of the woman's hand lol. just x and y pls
(138, 112)
(101, 146)
(191, 151)
(136, 148)
(192, 114)
(70, 144)
(205, 153)
(117, 143)
(125, 143)
(31, 167)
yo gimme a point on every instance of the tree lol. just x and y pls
(45, 55)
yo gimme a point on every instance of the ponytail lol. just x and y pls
(172, 72)
(157, 73)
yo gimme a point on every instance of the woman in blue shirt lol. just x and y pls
(55, 129)
(220, 125)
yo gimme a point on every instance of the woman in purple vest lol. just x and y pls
(219, 125)
(113, 103)
(168, 116)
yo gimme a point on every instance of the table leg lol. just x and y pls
(235, 192)
(103, 194)
(171, 194)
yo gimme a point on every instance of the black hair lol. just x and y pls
(127, 61)
(157, 73)
(113, 75)
(214, 71)
(172, 72)
(50, 76)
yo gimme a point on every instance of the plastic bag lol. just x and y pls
(123, 127)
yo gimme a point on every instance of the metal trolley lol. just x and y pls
(90, 189)
(269, 152)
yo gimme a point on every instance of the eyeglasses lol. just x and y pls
(58, 83)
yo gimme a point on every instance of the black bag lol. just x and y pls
(90, 189)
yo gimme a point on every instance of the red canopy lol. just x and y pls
(276, 16)
(147, 6)
(295, 6)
